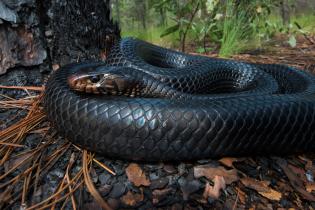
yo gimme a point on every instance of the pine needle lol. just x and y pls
(34, 88)
(11, 145)
(88, 181)
(98, 162)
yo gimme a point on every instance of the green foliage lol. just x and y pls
(170, 30)
(236, 30)
(228, 25)
(152, 34)
(183, 14)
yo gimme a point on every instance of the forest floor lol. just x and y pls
(40, 170)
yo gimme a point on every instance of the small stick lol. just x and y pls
(11, 144)
(23, 87)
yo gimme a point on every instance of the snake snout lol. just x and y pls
(83, 83)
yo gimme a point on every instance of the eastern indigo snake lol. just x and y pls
(150, 103)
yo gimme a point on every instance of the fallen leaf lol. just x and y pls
(188, 187)
(283, 186)
(131, 199)
(228, 161)
(262, 187)
(215, 190)
(300, 172)
(158, 195)
(310, 187)
(295, 181)
(210, 172)
(136, 175)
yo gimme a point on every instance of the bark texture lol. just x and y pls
(19, 35)
(53, 32)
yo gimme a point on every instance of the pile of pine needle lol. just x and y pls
(25, 167)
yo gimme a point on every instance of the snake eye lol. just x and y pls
(95, 78)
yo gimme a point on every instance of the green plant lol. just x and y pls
(236, 30)
(205, 27)
(183, 16)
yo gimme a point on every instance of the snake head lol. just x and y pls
(104, 82)
(118, 84)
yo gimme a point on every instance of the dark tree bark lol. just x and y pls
(141, 9)
(20, 40)
(48, 32)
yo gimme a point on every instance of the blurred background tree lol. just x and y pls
(227, 26)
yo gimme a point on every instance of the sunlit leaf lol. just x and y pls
(170, 30)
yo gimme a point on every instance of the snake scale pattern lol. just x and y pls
(189, 107)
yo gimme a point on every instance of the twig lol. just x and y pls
(11, 144)
(235, 203)
(23, 87)
(188, 26)
(304, 34)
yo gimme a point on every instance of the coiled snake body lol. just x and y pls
(183, 106)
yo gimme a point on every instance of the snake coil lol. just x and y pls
(200, 107)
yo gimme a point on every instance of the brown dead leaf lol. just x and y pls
(310, 186)
(136, 175)
(262, 187)
(210, 172)
(300, 172)
(295, 181)
(283, 186)
(228, 161)
(131, 199)
(158, 195)
(215, 190)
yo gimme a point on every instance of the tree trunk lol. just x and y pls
(143, 14)
(53, 33)
(285, 12)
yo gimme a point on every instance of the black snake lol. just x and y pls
(166, 105)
